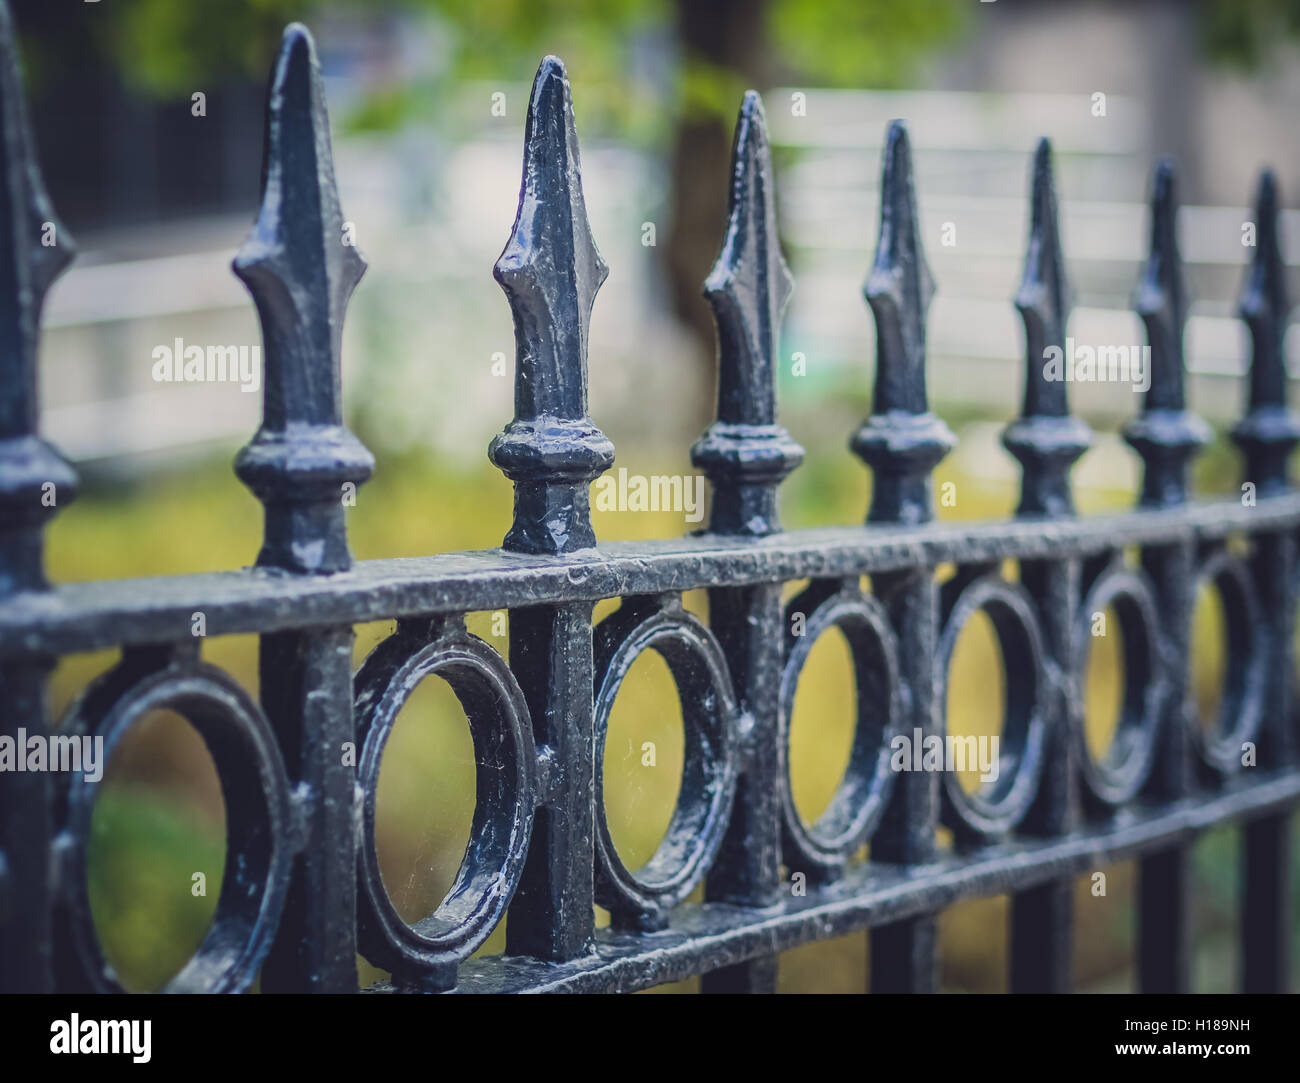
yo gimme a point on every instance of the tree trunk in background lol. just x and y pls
(728, 34)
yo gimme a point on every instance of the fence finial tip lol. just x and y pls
(900, 286)
(1046, 439)
(750, 283)
(745, 452)
(1044, 297)
(551, 270)
(1167, 435)
(37, 245)
(550, 267)
(35, 248)
(300, 262)
(902, 440)
(1269, 431)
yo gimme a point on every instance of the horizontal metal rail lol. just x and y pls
(130, 612)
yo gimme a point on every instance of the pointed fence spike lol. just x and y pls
(902, 441)
(1166, 434)
(35, 480)
(550, 271)
(301, 267)
(745, 453)
(1269, 431)
(1046, 439)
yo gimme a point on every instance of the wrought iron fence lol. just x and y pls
(302, 893)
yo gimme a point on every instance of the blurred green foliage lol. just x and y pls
(1245, 33)
(165, 47)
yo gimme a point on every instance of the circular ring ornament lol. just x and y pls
(1242, 709)
(710, 724)
(428, 951)
(997, 807)
(1124, 770)
(258, 817)
(840, 831)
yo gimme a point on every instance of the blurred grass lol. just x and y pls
(156, 825)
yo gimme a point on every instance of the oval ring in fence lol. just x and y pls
(258, 817)
(710, 720)
(427, 951)
(856, 807)
(1122, 772)
(1244, 678)
(999, 805)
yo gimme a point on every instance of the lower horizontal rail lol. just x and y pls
(706, 936)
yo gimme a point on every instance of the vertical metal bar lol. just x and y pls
(1164, 922)
(1042, 938)
(35, 482)
(550, 271)
(1265, 914)
(1167, 436)
(306, 689)
(305, 466)
(552, 915)
(26, 828)
(1164, 879)
(1047, 440)
(757, 975)
(748, 624)
(1266, 905)
(1042, 918)
(746, 454)
(902, 442)
(904, 955)
(1267, 435)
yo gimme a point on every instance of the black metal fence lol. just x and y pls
(302, 892)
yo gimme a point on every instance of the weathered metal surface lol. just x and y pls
(873, 896)
(425, 955)
(550, 271)
(1166, 434)
(1270, 431)
(91, 616)
(1045, 438)
(302, 891)
(301, 267)
(901, 441)
(745, 453)
(35, 482)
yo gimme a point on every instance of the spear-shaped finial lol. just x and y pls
(1166, 434)
(34, 249)
(301, 266)
(1045, 438)
(1269, 431)
(901, 441)
(550, 271)
(745, 452)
